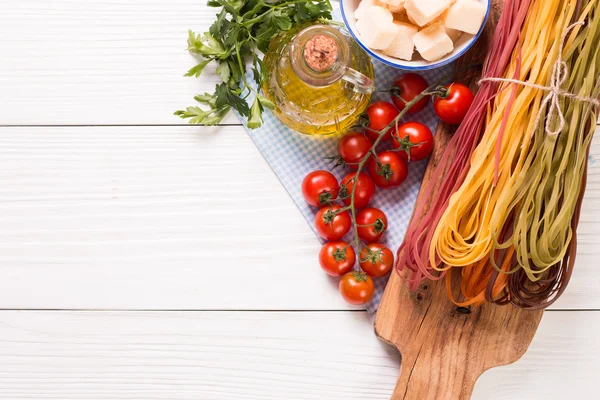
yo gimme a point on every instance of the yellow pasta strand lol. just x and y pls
(478, 210)
(510, 227)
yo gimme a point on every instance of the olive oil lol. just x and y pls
(319, 79)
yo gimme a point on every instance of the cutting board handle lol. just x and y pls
(401, 393)
(445, 348)
(421, 379)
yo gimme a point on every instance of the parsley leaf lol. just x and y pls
(205, 45)
(220, 25)
(226, 96)
(280, 19)
(195, 114)
(197, 70)
(266, 103)
(206, 98)
(224, 71)
(255, 120)
(240, 30)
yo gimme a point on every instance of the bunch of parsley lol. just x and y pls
(242, 28)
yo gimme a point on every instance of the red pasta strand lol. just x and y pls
(413, 254)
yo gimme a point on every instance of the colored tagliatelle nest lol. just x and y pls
(507, 209)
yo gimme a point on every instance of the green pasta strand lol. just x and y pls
(544, 198)
(511, 225)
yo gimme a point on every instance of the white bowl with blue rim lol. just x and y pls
(464, 42)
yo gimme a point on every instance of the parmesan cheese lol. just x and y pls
(395, 6)
(433, 43)
(466, 16)
(423, 12)
(376, 27)
(364, 5)
(402, 45)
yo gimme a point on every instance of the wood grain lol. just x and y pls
(153, 218)
(257, 356)
(99, 62)
(444, 350)
(140, 218)
(192, 355)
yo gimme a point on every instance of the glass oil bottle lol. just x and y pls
(320, 80)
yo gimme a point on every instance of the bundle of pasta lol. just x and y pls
(511, 223)
(413, 254)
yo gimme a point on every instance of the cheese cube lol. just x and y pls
(411, 19)
(362, 7)
(376, 27)
(453, 33)
(402, 45)
(425, 11)
(402, 18)
(394, 3)
(396, 9)
(433, 43)
(395, 6)
(466, 16)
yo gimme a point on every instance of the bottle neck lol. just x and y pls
(320, 55)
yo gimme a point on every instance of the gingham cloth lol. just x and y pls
(293, 155)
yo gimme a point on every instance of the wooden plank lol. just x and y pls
(174, 218)
(159, 218)
(99, 62)
(257, 355)
(189, 355)
(551, 369)
(73, 62)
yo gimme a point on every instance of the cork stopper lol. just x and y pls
(321, 52)
(319, 55)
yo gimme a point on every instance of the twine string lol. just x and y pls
(559, 75)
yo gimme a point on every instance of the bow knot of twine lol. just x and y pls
(559, 75)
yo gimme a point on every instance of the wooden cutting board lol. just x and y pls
(445, 349)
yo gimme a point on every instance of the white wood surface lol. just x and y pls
(73, 62)
(174, 218)
(147, 215)
(151, 218)
(257, 355)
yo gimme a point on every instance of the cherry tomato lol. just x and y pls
(379, 115)
(331, 225)
(416, 141)
(357, 287)
(353, 147)
(320, 188)
(376, 260)
(337, 258)
(372, 224)
(365, 189)
(452, 106)
(406, 88)
(390, 172)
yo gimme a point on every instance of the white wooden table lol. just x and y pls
(141, 258)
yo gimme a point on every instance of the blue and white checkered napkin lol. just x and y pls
(292, 155)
